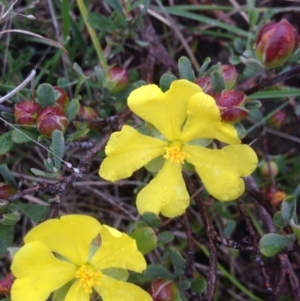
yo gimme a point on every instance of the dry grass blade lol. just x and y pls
(48, 41)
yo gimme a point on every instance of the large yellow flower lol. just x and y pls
(182, 115)
(80, 265)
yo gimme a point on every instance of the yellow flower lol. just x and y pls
(182, 115)
(79, 265)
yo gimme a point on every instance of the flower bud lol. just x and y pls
(62, 98)
(275, 43)
(231, 104)
(272, 168)
(277, 120)
(274, 195)
(6, 284)
(163, 290)
(119, 77)
(27, 112)
(52, 118)
(230, 76)
(87, 114)
(6, 190)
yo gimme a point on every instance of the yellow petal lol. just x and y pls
(118, 250)
(70, 236)
(204, 121)
(76, 293)
(38, 273)
(221, 170)
(112, 290)
(166, 193)
(127, 151)
(166, 111)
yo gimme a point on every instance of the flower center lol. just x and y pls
(87, 277)
(175, 154)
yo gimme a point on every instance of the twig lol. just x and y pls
(210, 232)
(269, 82)
(18, 88)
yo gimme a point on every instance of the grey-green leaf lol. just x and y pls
(272, 243)
(58, 147)
(73, 109)
(6, 143)
(185, 69)
(45, 95)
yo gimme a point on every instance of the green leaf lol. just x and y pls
(217, 81)
(6, 143)
(35, 212)
(278, 220)
(288, 209)
(146, 239)
(177, 261)
(185, 69)
(72, 109)
(41, 173)
(272, 243)
(198, 285)
(157, 271)
(252, 105)
(10, 219)
(23, 136)
(296, 230)
(6, 238)
(152, 219)
(253, 64)
(7, 176)
(114, 4)
(45, 95)
(116, 273)
(58, 147)
(165, 237)
(241, 131)
(204, 67)
(165, 81)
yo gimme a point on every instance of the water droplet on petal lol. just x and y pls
(225, 197)
(234, 191)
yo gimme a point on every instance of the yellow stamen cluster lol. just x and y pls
(175, 154)
(88, 277)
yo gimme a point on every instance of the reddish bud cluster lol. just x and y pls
(28, 113)
(275, 43)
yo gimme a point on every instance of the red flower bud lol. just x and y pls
(27, 112)
(62, 98)
(231, 105)
(274, 195)
(52, 118)
(234, 115)
(87, 114)
(6, 190)
(275, 43)
(278, 119)
(163, 290)
(230, 99)
(119, 77)
(6, 284)
(230, 76)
